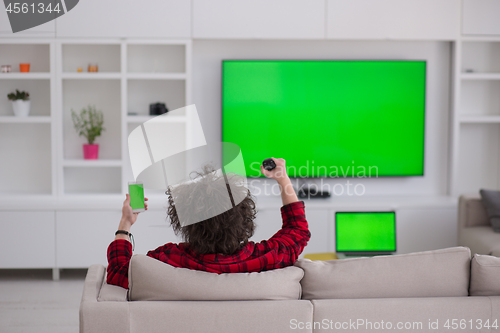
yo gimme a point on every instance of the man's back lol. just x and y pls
(220, 244)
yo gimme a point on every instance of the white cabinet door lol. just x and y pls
(481, 17)
(269, 222)
(393, 19)
(126, 18)
(298, 19)
(27, 239)
(151, 231)
(83, 237)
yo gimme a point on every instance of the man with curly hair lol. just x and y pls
(219, 244)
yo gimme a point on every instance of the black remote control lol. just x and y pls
(268, 164)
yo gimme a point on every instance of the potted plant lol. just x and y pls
(89, 124)
(20, 103)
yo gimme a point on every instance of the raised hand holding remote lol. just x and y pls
(288, 194)
(276, 172)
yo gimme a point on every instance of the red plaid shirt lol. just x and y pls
(279, 251)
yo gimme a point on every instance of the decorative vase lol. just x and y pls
(21, 108)
(91, 152)
(24, 68)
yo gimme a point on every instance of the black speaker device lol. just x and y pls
(156, 109)
(312, 193)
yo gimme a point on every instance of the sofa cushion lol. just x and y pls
(491, 200)
(411, 315)
(437, 273)
(484, 276)
(220, 317)
(153, 280)
(111, 293)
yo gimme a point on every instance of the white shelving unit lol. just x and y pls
(132, 74)
(476, 115)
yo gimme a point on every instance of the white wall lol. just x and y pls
(480, 17)
(207, 56)
(331, 19)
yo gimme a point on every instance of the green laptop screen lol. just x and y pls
(365, 231)
(335, 118)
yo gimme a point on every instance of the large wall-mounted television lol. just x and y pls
(332, 118)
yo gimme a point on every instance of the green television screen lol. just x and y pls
(355, 118)
(365, 232)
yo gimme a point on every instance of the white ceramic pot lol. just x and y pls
(21, 108)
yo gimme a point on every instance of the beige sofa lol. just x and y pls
(474, 229)
(419, 292)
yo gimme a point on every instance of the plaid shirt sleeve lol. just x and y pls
(119, 254)
(289, 242)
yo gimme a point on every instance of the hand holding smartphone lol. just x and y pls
(136, 192)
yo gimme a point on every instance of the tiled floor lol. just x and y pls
(31, 302)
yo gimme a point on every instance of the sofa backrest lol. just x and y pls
(153, 280)
(439, 273)
(471, 212)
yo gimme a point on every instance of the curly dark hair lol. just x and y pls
(224, 233)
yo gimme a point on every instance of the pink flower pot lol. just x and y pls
(90, 152)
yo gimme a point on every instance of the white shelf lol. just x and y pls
(480, 119)
(480, 76)
(91, 76)
(480, 39)
(167, 119)
(156, 76)
(24, 76)
(92, 163)
(25, 120)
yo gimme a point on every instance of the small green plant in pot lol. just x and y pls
(20, 103)
(89, 125)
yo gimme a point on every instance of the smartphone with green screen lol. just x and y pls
(136, 192)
